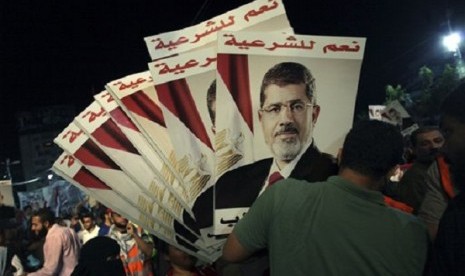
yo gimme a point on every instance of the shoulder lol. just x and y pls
(59, 233)
(407, 221)
(292, 190)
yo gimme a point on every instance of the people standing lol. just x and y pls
(61, 247)
(449, 245)
(136, 246)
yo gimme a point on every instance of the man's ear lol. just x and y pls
(315, 113)
(47, 224)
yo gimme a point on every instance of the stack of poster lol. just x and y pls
(159, 146)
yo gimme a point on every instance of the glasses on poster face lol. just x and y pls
(295, 107)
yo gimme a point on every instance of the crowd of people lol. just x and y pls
(318, 218)
(92, 241)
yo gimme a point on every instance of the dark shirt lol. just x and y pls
(449, 246)
(7, 212)
(104, 229)
(412, 186)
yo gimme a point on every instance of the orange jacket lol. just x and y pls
(444, 174)
(397, 205)
(134, 266)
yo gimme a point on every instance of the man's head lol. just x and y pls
(119, 221)
(372, 149)
(100, 256)
(42, 220)
(453, 126)
(288, 110)
(87, 220)
(178, 259)
(27, 211)
(426, 142)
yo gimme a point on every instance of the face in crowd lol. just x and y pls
(180, 259)
(39, 227)
(453, 127)
(88, 223)
(428, 145)
(119, 221)
(454, 147)
(288, 111)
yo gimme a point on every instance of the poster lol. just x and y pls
(253, 124)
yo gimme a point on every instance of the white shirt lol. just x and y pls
(85, 235)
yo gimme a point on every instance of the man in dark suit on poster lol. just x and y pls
(288, 114)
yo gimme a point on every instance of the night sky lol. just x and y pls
(63, 52)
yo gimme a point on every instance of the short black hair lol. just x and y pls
(86, 214)
(100, 256)
(453, 105)
(372, 148)
(285, 73)
(45, 214)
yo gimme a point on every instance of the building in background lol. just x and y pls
(36, 130)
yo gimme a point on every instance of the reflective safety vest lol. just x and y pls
(134, 265)
(397, 205)
(444, 174)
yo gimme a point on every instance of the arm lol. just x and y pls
(233, 251)
(251, 233)
(435, 201)
(412, 188)
(145, 246)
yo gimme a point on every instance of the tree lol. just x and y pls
(394, 93)
(423, 103)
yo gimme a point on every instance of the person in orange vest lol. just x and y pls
(426, 142)
(136, 246)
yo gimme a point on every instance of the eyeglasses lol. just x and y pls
(296, 108)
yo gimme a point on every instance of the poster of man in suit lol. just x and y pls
(286, 103)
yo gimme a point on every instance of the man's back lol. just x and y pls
(333, 228)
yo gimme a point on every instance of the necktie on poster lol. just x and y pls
(274, 177)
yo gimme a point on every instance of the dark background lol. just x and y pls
(63, 52)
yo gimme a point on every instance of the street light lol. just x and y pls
(452, 43)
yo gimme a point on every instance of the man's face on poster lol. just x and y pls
(287, 118)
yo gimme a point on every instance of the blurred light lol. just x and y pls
(50, 176)
(452, 41)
